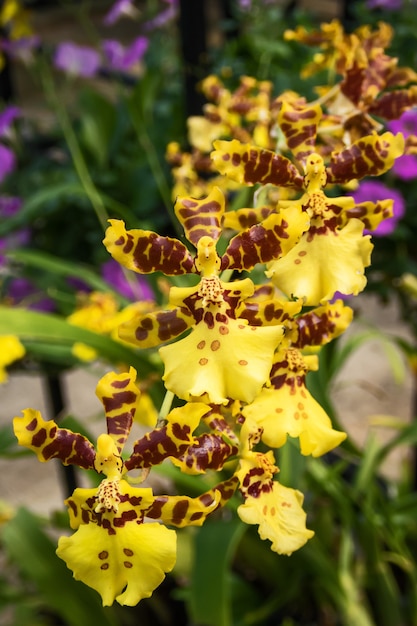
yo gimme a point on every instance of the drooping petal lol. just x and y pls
(278, 512)
(323, 262)
(126, 566)
(145, 252)
(248, 164)
(120, 398)
(369, 156)
(203, 217)
(227, 359)
(270, 239)
(50, 442)
(288, 408)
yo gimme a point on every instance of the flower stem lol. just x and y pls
(74, 148)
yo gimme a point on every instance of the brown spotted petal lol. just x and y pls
(245, 218)
(299, 125)
(370, 156)
(372, 214)
(269, 312)
(277, 510)
(50, 442)
(144, 251)
(113, 552)
(120, 398)
(184, 511)
(322, 324)
(271, 239)
(147, 331)
(248, 164)
(209, 452)
(391, 105)
(171, 440)
(203, 217)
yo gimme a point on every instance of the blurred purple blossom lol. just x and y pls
(374, 191)
(21, 49)
(388, 5)
(78, 284)
(405, 167)
(7, 117)
(77, 60)
(7, 162)
(120, 58)
(138, 289)
(119, 8)
(23, 293)
(165, 16)
(9, 205)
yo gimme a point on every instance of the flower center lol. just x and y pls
(108, 497)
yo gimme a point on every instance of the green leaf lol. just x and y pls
(44, 328)
(27, 544)
(36, 203)
(55, 265)
(97, 124)
(210, 589)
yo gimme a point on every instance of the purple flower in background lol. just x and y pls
(21, 49)
(405, 167)
(7, 117)
(7, 162)
(23, 293)
(388, 5)
(165, 16)
(137, 289)
(9, 205)
(119, 8)
(374, 191)
(245, 5)
(77, 60)
(7, 157)
(120, 58)
(78, 284)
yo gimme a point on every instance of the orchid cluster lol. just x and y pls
(235, 355)
(253, 295)
(366, 92)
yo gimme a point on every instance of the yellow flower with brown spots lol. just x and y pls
(223, 356)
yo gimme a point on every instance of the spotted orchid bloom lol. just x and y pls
(277, 510)
(333, 253)
(224, 356)
(119, 549)
(286, 407)
(247, 113)
(372, 87)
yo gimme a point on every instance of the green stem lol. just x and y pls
(166, 405)
(74, 148)
(157, 171)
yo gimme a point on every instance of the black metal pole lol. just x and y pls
(192, 26)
